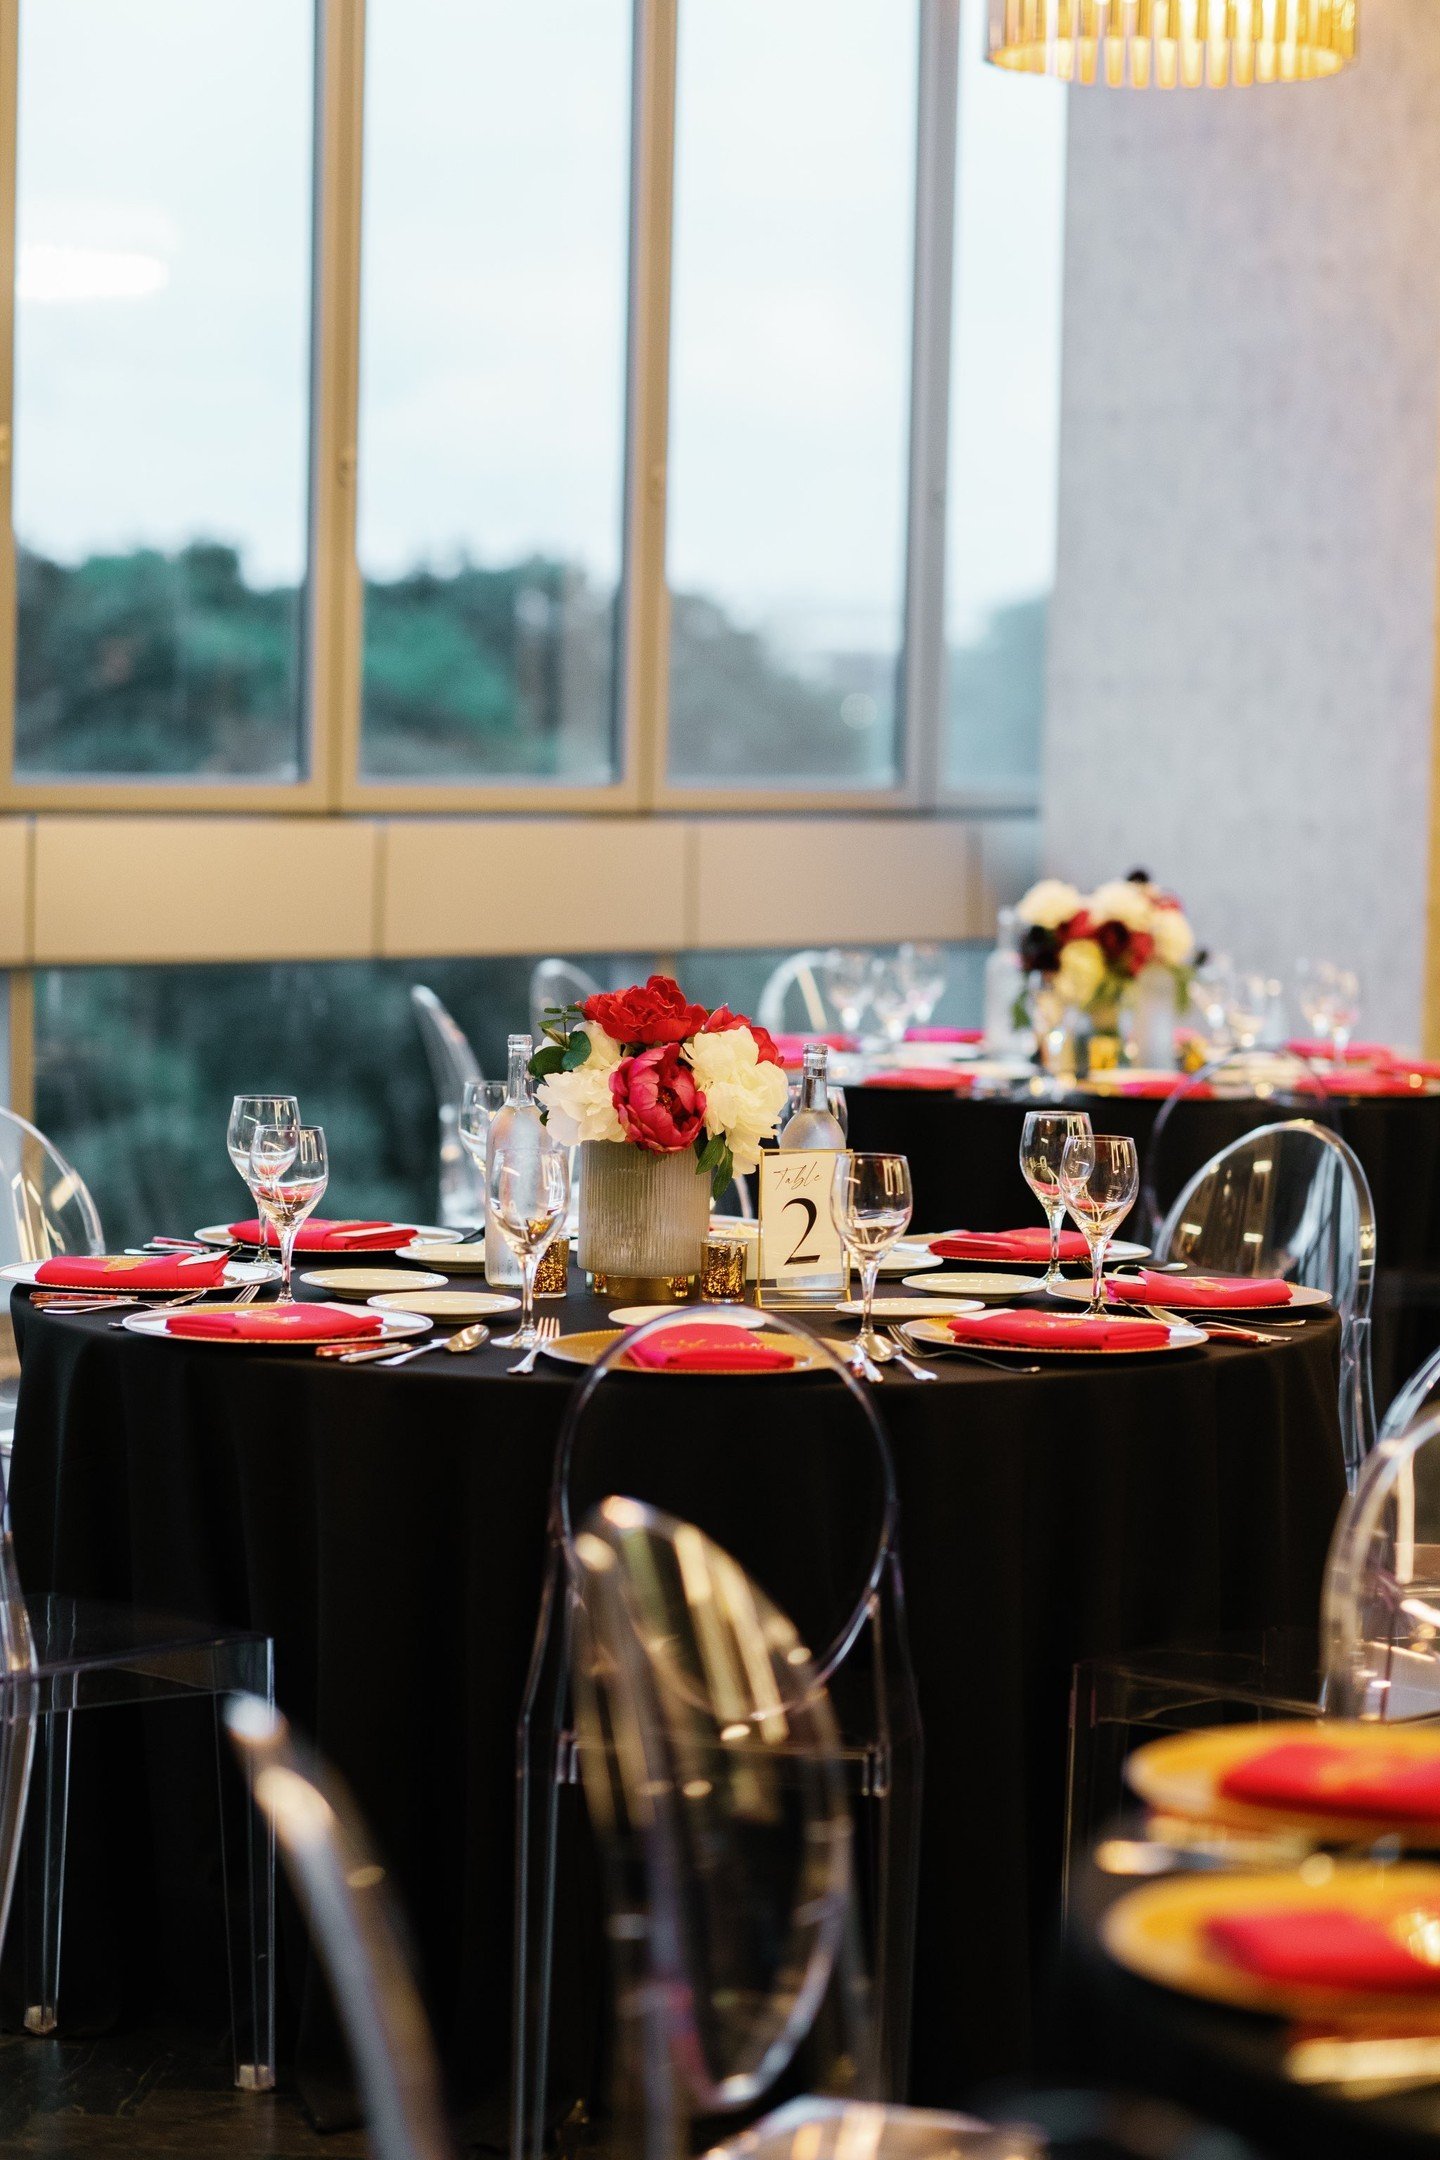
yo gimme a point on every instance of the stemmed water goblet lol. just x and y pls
(1100, 1176)
(850, 979)
(1344, 1005)
(247, 1114)
(529, 1189)
(478, 1105)
(870, 1206)
(289, 1171)
(1247, 1007)
(1043, 1140)
(922, 967)
(890, 1002)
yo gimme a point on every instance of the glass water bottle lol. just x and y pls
(517, 1115)
(813, 1125)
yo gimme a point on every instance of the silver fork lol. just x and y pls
(905, 1361)
(976, 1357)
(467, 1338)
(1214, 1327)
(547, 1331)
(247, 1296)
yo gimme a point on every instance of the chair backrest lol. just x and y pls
(452, 1062)
(47, 1206)
(343, 1892)
(19, 1710)
(1291, 1200)
(711, 1762)
(802, 972)
(1421, 1392)
(1380, 1608)
(1256, 1085)
(554, 984)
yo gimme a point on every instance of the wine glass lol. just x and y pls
(1247, 1008)
(923, 968)
(870, 1206)
(1312, 995)
(1210, 994)
(1100, 1176)
(479, 1102)
(890, 1001)
(289, 1171)
(850, 980)
(1043, 1140)
(1344, 1008)
(247, 1113)
(529, 1189)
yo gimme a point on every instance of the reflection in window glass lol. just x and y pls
(789, 388)
(161, 362)
(1004, 414)
(492, 385)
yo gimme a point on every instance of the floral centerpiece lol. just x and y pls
(668, 1100)
(1094, 952)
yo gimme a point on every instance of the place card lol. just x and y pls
(802, 1254)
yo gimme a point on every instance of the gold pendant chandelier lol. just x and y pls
(1174, 44)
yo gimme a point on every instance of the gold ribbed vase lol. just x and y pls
(1174, 44)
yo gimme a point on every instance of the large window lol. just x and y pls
(492, 386)
(161, 364)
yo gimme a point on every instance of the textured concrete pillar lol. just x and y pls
(1242, 656)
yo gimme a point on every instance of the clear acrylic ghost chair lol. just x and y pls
(554, 984)
(1292, 1200)
(81, 1656)
(1380, 1612)
(46, 1209)
(345, 1896)
(714, 1776)
(801, 972)
(1256, 1085)
(864, 1656)
(1421, 1392)
(452, 1062)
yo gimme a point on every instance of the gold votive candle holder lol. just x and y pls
(722, 1270)
(553, 1274)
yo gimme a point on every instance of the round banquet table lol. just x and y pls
(964, 1164)
(387, 1528)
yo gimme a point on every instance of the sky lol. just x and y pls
(162, 329)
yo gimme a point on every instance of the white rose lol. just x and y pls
(1081, 971)
(1050, 903)
(743, 1098)
(1174, 938)
(1121, 901)
(579, 1105)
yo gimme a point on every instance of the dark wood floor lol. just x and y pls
(150, 2098)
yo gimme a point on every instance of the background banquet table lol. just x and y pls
(387, 1528)
(964, 1164)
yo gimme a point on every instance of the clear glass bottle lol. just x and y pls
(508, 1127)
(1004, 983)
(813, 1124)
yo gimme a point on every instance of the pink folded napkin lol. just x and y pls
(274, 1323)
(944, 1035)
(1356, 1053)
(1324, 1947)
(709, 1347)
(1155, 1088)
(132, 1271)
(322, 1234)
(1330, 1778)
(1057, 1331)
(1023, 1245)
(1185, 1291)
(792, 1047)
(923, 1076)
(1353, 1080)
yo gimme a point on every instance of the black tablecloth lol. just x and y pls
(964, 1163)
(387, 1528)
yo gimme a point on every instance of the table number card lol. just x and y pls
(799, 1244)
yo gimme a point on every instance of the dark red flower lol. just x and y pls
(656, 1099)
(722, 1020)
(645, 1014)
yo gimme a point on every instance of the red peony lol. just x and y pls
(722, 1020)
(653, 1013)
(655, 1096)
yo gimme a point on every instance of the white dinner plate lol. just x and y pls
(1183, 1337)
(368, 1282)
(237, 1272)
(219, 1234)
(393, 1325)
(447, 1304)
(908, 1257)
(1301, 1299)
(908, 1308)
(438, 1251)
(742, 1315)
(968, 1283)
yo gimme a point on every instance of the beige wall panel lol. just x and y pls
(811, 881)
(1009, 861)
(139, 889)
(533, 885)
(14, 891)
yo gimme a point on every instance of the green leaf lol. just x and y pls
(723, 1172)
(547, 1061)
(710, 1152)
(577, 1049)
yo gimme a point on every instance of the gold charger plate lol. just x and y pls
(586, 1347)
(1159, 1933)
(934, 1331)
(1180, 1775)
